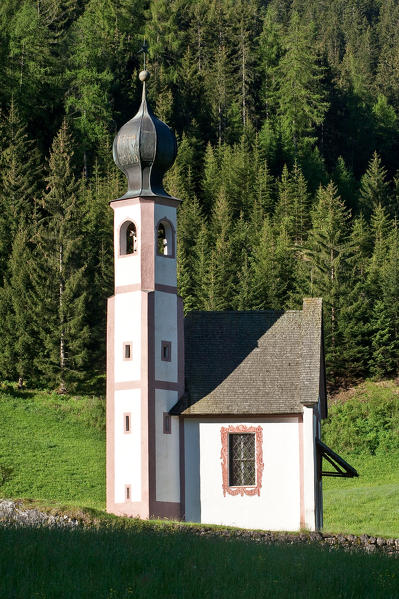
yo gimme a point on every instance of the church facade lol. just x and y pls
(215, 417)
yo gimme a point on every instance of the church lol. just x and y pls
(214, 417)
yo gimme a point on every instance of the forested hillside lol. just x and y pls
(287, 117)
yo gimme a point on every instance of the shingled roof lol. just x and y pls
(263, 362)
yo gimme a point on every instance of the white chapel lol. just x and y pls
(214, 417)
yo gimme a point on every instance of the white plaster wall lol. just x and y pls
(309, 459)
(128, 445)
(127, 329)
(192, 470)
(165, 268)
(277, 507)
(165, 330)
(168, 212)
(167, 449)
(165, 271)
(127, 268)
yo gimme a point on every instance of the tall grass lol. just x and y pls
(143, 563)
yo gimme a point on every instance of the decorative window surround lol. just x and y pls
(245, 490)
(127, 422)
(128, 351)
(166, 351)
(167, 423)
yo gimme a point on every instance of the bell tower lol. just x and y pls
(145, 345)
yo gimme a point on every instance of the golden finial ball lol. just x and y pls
(144, 75)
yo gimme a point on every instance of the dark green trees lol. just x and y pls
(269, 102)
(59, 290)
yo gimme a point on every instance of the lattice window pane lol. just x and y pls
(242, 459)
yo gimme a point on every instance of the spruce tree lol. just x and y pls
(384, 347)
(380, 226)
(301, 98)
(190, 221)
(352, 363)
(263, 183)
(19, 182)
(374, 187)
(221, 265)
(390, 280)
(58, 275)
(346, 183)
(264, 285)
(22, 340)
(31, 66)
(244, 26)
(202, 274)
(301, 204)
(326, 250)
(97, 253)
(211, 179)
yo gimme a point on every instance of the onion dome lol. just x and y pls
(144, 149)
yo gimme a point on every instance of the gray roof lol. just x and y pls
(263, 362)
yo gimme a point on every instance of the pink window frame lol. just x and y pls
(259, 466)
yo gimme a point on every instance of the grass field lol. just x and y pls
(52, 449)
(364, 428)
(368, 504)
(54, 446)
(141, 562)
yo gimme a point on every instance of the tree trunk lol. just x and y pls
(62, 387)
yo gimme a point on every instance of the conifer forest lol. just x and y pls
(287, 118)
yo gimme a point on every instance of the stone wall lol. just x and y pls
(11, 513)
(334, 541)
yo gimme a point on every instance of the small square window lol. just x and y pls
(166, 351)
(167, 423)
(126, 423)
(127, 351)
(241, 460)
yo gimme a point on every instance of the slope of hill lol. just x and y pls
(52, 447)
(363, 426)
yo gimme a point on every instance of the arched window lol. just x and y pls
(128, 238)
(165, 239)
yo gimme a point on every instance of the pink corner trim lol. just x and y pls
(224, 455)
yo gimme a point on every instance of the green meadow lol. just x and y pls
(52, 455)
(52, 447)
(363, 427)
(141, 562)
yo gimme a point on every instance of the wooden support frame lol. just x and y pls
(341, 468)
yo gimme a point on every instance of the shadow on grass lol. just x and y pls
(152, 562)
